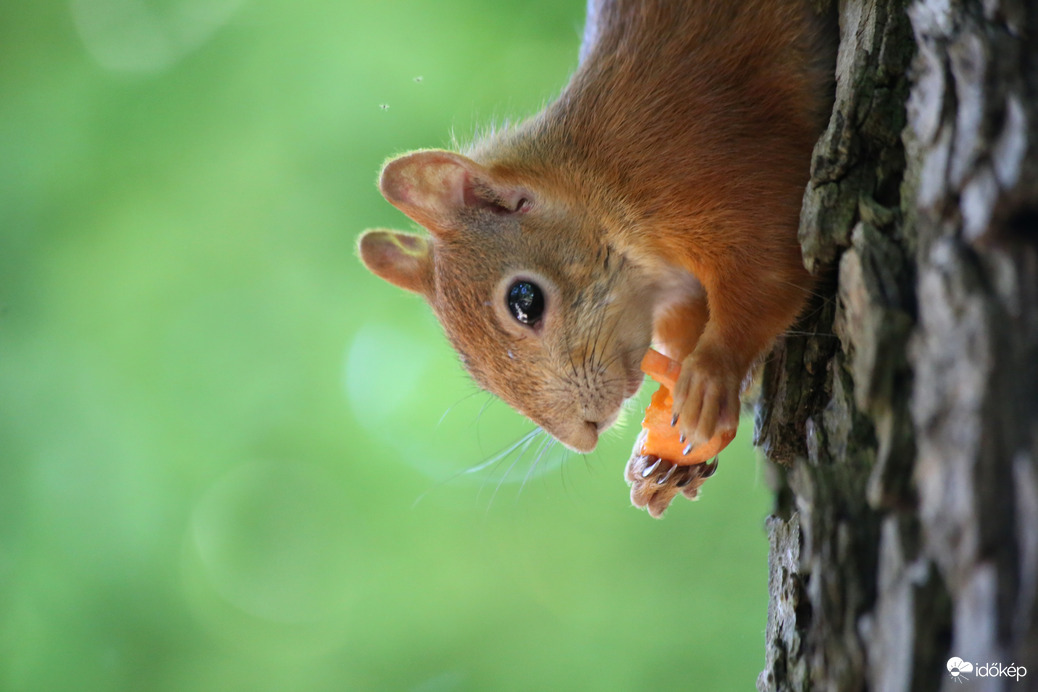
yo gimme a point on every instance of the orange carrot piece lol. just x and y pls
(663, 439)
(661, 368)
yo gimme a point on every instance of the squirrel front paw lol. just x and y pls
(655, 482)
(706, 398)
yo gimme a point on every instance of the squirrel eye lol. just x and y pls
(526, 302)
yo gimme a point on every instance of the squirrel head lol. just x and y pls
(542, 311)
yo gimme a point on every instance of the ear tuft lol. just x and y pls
(402, 259)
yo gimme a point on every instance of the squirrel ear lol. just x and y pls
(402, 259)
(432, 186)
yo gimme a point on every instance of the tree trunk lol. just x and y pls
(903, 412)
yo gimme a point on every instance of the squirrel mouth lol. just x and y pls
(606, 423)
(584, 438)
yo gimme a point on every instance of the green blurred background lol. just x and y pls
(232, 459)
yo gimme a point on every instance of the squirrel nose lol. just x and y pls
(589, 436)
(581, 438)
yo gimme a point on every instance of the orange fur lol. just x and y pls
(672, 164)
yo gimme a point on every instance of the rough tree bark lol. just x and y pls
(903, 413)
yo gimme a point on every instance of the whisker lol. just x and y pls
(601, 312)
(511, 466)
(573, 378)
(524, 440)
(793, 332)
(545, 448)
(623, 354)
(479, 417)
(482, 466)
(631, 405)
(450, 408)
(809, 291)
(482, 409)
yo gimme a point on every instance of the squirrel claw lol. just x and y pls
(650, 469)
(706, 397)
(655, 482)
(662, 480)
(709, 469)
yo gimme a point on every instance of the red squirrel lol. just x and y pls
(656, 200)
